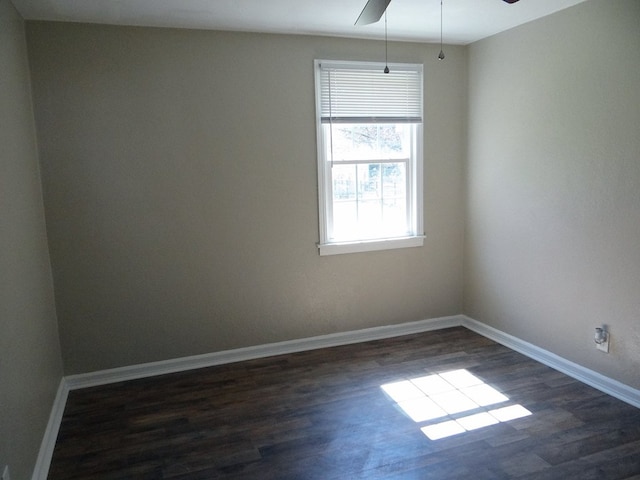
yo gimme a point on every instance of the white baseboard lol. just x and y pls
(103, 377)
(114, 375)
(605, 384)
(43, 462)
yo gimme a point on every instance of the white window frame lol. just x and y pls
(415, 238)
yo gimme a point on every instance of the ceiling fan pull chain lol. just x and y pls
(441, 54)
(386, 62)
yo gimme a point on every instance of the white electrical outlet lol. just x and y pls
(602, 338)
(5, 473)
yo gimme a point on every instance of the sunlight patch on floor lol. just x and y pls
(449, 395)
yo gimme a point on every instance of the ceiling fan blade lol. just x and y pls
(372, 11)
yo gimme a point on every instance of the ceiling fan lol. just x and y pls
(373, 10)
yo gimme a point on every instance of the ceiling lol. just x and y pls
(465, 21)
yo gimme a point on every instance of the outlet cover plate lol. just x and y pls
(5, 473)
(604, 346)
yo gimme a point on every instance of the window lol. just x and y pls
(369, 156)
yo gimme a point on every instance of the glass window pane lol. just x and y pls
(345, 182)
(394, 186)
(369, 218)
(345, 220)
(369, 200)
(369, 141)
(369, 182)
(345, 204)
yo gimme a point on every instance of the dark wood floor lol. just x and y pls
(323, 415)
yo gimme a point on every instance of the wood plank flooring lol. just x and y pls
(322, 414)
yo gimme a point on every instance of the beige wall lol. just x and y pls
(553, 224)
(30, 362)
(179, 172)
(180, 190)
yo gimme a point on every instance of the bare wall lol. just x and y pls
(553, 209)
(30, 361)
(179, 172)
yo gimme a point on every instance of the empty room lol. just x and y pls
(320, 240)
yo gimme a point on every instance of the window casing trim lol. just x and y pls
(326, 246)
(336, 248)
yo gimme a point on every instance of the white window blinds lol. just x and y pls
(362, 93)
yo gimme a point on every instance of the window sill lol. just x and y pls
(370, 245)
